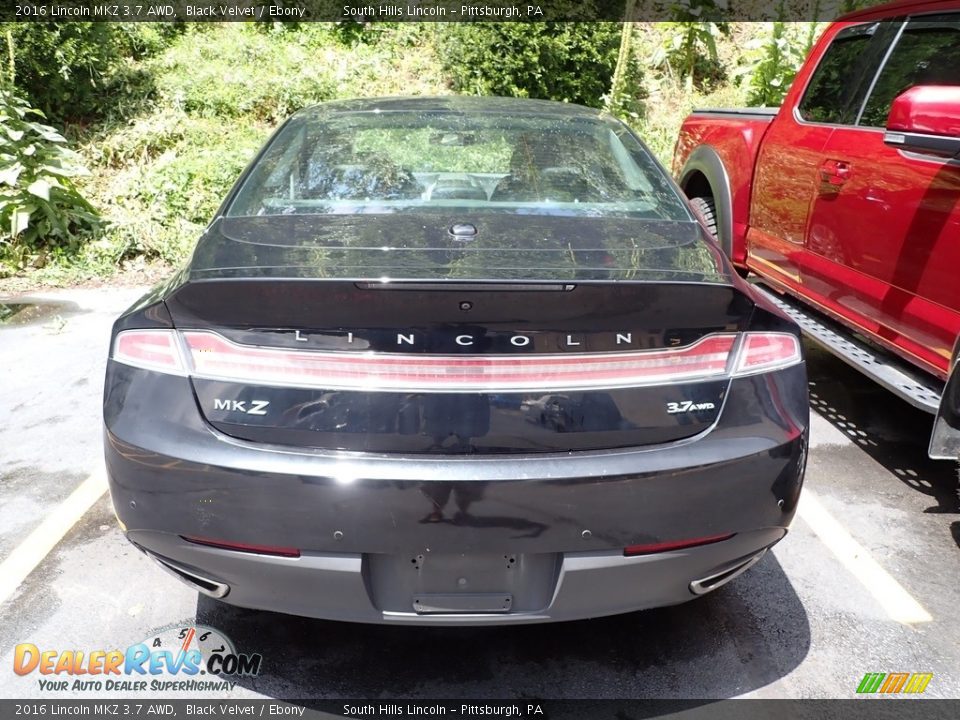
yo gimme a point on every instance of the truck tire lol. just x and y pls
(708, 208)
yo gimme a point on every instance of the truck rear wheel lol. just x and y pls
(708, 208)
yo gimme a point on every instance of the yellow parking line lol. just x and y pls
(895, 600)
(37, 545)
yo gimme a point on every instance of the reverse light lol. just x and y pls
(653, 548)
(244, 547)
(150, 349)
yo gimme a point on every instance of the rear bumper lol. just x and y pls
(338, 586)
(361, 521)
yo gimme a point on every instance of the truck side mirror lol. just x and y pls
(926, 119)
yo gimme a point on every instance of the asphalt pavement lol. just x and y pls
(867, 580)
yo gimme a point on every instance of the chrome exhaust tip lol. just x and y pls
(191, 578)
(718, 579)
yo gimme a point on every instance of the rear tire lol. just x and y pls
(708, 208)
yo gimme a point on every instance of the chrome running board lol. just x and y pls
(896, 375)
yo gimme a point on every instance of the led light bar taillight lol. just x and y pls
(206, 354)
(216, 357)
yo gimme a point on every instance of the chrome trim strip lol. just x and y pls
(191, 578)
(719, 579)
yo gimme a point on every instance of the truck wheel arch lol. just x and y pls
(704, 175)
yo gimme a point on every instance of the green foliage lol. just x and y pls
(687, 50)
(572, 62)
(352, 32)
(627, 92)
(161, 174)
(777, 59)
(190, 180)
(167, 175)
(263, 75)
(40, 207)
(77, 71)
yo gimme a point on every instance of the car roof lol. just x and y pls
(465, 104)
(901, 7)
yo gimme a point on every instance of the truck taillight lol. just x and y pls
(150, 349)
(766, 351)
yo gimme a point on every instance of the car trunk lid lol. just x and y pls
(554, 338)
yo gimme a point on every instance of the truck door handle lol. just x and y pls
(834, 172)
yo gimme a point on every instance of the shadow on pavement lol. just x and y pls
(738, 639)
(892, 432)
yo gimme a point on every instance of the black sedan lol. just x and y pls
(455, 361)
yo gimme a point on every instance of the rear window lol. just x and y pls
(394, 162)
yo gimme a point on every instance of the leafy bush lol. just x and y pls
(167, 175)
(628, 93)
(244, 73)
(773, 62)
(688, 51)
(78, 71)
(573, 62)
(190, 180)
(40, 207)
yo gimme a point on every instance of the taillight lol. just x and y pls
(653, 548)
(150, 349)
(216, 357)
(244, 547)
(207, 354)
(763, 352)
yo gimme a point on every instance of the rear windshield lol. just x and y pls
(393, 162)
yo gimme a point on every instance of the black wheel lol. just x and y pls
(708, 208)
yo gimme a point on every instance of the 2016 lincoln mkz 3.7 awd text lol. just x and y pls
(455, 361)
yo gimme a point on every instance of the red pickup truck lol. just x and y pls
(845, 201)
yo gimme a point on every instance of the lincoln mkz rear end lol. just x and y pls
(455, 361)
